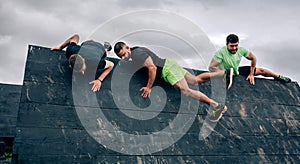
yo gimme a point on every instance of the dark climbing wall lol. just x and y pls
(261, 125)
(9, 106)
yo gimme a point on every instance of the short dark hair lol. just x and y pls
(118, 46)
(79, 62)
(232, 38)
(107, 46)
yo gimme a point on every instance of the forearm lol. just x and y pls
(252, 67)
(74, 38)
(63, 45)
(106, 71)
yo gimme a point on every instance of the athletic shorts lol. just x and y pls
(172, 72)
(245, 70)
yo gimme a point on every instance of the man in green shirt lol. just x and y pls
(226, 63)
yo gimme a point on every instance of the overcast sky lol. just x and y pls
(268, 28)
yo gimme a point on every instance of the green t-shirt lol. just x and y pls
(228, 60)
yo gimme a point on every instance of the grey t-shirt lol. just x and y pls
(140, 54)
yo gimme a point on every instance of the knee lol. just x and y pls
(195, 81)
(185, 91)
(211, 69)
(259, 71)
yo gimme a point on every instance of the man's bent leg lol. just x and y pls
(217, 110)
(268, 73)
(184, 89)
(191, 79)
(265, 72)
(206, 76)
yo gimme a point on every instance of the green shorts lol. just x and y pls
(172, 72)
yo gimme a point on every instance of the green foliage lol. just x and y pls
(6, 149)
(8, 153)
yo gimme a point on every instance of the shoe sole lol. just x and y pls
(222, 113)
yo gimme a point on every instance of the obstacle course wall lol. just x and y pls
(261, 125)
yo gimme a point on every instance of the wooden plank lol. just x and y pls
(261, 158)
(86, 158)
(46, 141)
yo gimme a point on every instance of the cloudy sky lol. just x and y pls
(268, 28)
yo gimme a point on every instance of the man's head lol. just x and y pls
(107, 46)
(232, 43)
(122, 50)
(77, 63)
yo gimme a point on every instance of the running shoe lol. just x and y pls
(283, 79)
(216, 114)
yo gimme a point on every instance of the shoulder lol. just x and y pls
(73, 45)
(139, 54)
(243, 51)
(92, 43)
(139, 49)
(222, 51)
(72, 48)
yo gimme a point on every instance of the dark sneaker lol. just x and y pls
(216, 114)
(283, 79)
(228, 77)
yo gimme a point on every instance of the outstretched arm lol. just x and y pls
(253, 65)
(151, 77)
(98, 82)
(74, 38)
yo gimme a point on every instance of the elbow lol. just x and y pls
(253, 62)
(152, 68)
(111, 65)
(75, 37)
(212, 69)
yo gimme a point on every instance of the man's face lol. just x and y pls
(124, 53)
(232, 47)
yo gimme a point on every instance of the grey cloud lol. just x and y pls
(268, 24)
(143, 4)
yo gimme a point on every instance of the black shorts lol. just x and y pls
(245, 70)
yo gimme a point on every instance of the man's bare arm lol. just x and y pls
(252, 67)
(98, 82)
(151, 77)
(74, 38)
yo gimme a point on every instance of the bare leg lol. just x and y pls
(191, 79)
(206, 76)
(265, 72)
(182, 85)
